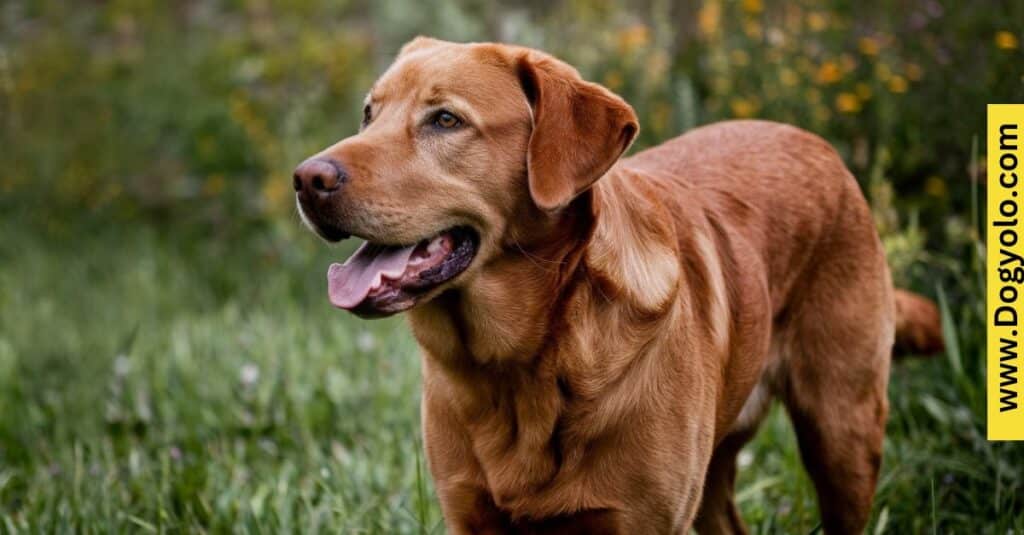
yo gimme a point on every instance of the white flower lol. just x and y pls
(249, 374)
(366, 341)
(122, 365)
(744, 458)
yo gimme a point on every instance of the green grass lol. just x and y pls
(154, 380)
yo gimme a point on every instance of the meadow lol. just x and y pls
(168, 358)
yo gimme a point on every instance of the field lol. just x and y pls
(152, 381)
(168, 358)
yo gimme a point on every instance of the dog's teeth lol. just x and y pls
(435, 245)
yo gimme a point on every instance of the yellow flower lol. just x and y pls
(935, 186)
(847, 103)
(753, 6)
(1006, 40)
(742, 107)
(708, 19)
(816, 21)
(828, 73)
(740, 57)
(914, 71)
(863, 91)
(868, 46)
(898, 84)
(633, 37)
(788, 77)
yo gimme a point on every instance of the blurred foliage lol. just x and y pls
(200, 109)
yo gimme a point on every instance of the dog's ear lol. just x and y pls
(419, 42)
(579, 130)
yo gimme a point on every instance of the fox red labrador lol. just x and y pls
(601, 335)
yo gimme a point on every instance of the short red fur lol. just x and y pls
(624, 324)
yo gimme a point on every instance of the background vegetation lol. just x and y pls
(168, 359)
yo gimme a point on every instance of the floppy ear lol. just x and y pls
(579, 130)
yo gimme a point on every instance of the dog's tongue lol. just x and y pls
(349, 283)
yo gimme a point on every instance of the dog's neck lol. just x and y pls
(504, 315)
(611, 248)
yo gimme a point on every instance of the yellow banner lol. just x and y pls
(1005, 271)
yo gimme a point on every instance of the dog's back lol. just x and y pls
(775, 187)
(788, 222)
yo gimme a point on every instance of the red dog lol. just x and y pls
(601, 337)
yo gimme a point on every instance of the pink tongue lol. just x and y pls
(349, 283)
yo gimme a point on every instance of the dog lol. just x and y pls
(600, 336)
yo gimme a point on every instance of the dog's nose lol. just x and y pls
(318, 176)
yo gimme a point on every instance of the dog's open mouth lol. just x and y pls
(385, 279)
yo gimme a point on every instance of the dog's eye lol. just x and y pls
(367, 115)
(445, 119)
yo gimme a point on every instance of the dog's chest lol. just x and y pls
(546, 446)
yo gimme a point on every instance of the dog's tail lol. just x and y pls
(918, 325)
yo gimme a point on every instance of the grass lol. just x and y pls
(155, 379)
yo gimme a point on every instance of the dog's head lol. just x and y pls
(463, 149)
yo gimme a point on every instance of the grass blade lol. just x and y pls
(949, 334)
